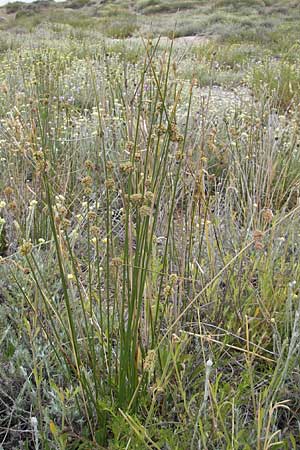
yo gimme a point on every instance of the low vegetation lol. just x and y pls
(149, 227)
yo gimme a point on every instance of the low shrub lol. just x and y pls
(77, 4)
(13, 7)
(279, 80)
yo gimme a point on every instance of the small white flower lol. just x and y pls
(32, 204)
(33, 421)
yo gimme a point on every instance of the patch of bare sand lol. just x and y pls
(182, 40)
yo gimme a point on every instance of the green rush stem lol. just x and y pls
(127, 351)
(173, 205)
(73, 336)
(108, 237)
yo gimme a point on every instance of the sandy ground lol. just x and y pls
(188, 40)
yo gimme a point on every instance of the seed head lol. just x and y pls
(65, 223)
(258, 245)
(159, 107)
(126, 167)
(129, 146)
(136, 198)
(257, 235)
(138, 156)
(179, 155)
(26, 248)
(150, 361)
(173, 278)
(174, 134)
(38, 155)
(267, 215)
(149, 196)
(167, 291)
(42, 166)
(145, 211)
(89, 165)
(87, 181)
(109, 165)
(160, 129)
(95, 231)
(8, 191)
(116, 262)
(12, 206)
(92, 215)
(62, 210)
(109, 183)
